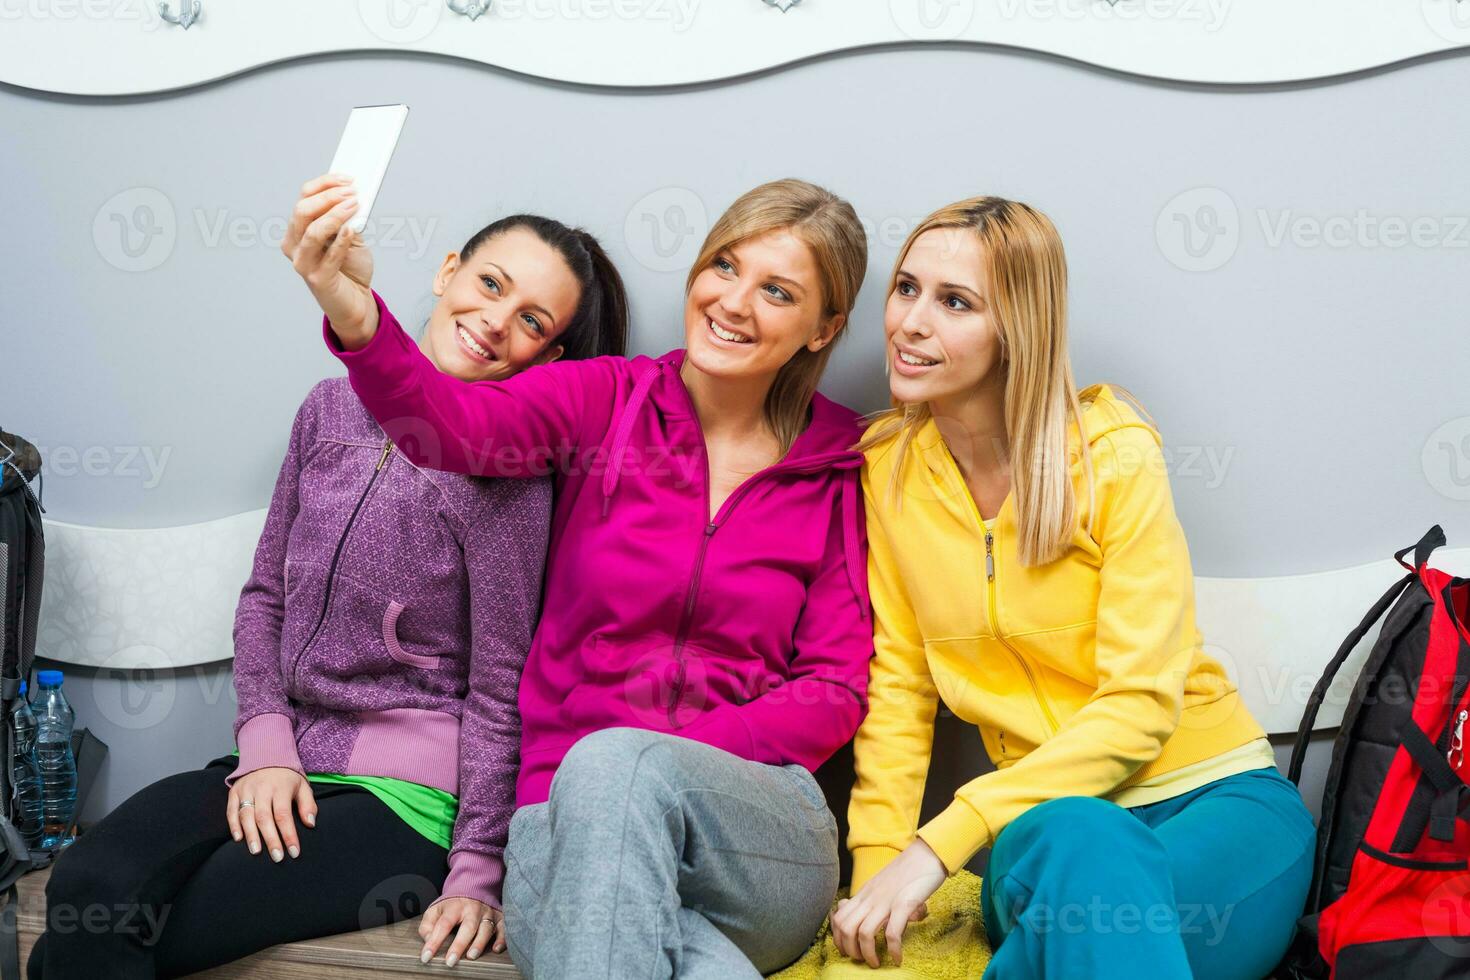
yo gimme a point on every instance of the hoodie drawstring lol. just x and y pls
(624, 433)
(852, 553)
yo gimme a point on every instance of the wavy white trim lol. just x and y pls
(1275, 634)
(123, 47)
(156, 597)
(165, 597)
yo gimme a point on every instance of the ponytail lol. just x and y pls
(604, 298)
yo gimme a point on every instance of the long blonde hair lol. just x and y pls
(830, 228)
(1026, 273)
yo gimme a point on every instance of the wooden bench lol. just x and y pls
(385, 950)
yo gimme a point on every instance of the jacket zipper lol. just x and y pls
(336, 556)
(995, 626)
(686, 619)
(990, 591)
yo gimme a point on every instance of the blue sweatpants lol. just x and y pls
(1208, 884)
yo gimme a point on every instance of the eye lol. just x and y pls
(535, 324)
(723, 264)
(491, 283)
(776, 292)
(951, 301)
(908, 289)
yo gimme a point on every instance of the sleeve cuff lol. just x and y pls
(265, 740)
(387, 335)
(867, 861)
(473, 874)
(956, 835)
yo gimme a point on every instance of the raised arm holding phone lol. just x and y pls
(377, 732)
(682, 716)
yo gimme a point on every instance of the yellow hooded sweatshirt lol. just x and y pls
(1086, 676)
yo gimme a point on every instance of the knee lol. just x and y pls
(81, 883)
(605, 760)
(1072, 816)
(1072, 829)
(90, 901)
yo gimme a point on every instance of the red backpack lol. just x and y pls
(1390, 896)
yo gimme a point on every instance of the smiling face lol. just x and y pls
(943, 341)
(500, 309)
(754, 306)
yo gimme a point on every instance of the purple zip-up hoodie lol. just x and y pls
(748, 629)
(386, 621)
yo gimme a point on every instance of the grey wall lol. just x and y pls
(1312, 392)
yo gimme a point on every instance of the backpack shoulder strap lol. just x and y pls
(1319, 693)
(1432, 539)
(30, 613)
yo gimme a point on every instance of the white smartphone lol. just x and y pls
(363, 154)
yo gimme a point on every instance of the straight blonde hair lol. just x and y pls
(1026, 280)
(828, 226)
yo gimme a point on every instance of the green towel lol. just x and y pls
(949, 944)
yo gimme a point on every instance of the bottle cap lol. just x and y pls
(49, 678)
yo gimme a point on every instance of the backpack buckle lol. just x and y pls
(1456, 754)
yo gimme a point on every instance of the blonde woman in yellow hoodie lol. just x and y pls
(1034, 576)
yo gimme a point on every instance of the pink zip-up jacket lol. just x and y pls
(382, 632)
(748, 629)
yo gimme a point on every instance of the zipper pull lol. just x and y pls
(1456, 754)
(989, 557)
(387, 448)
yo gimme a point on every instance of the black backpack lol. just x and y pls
(22, 564)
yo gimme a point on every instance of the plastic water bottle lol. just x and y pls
(25, 777)
(58, 767)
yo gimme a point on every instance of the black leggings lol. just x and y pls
(159, 888)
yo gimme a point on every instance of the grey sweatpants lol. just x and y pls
(658, 856)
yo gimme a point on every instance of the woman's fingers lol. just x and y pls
(499, 945)
(920, 914)
(285, 826)
(897, 922)
(306, 803)
(427, 920)
(867, 936)
(336, 253)
(232, 812)
(844, 922)
(265, 811)
(318, 184)
(469, 927)
(315, 200)
(247, 822)
(836, 920)
(440, 932)
(483, 935)
(310, 255)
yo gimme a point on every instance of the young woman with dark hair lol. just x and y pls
(378, 650)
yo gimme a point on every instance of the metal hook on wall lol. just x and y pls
(187, 15)
(470, 8)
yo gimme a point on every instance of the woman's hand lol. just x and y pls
(270, 793)
(890, 900)
(477, 924)
(332, 259)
